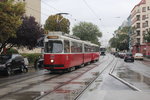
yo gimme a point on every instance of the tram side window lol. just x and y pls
(79, 47)
(76, 47)
(87, 48)
(66, 46)
(95, 49)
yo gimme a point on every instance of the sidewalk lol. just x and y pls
(146, 59)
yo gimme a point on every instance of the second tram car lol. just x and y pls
(65, 53)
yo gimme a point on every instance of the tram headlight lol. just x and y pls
(52, 61)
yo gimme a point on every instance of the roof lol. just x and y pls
(140, 3)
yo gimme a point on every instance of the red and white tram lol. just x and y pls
(65, 53)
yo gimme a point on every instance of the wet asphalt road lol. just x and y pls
(108, 88)
(68, 86)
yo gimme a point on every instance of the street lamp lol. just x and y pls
(58, 21)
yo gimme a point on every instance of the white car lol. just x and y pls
(138, 56)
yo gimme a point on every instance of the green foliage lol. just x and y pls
(27, 34)
(120, 42)
(31, 57)
(87, 31)
(10, 18)
(57, 23)
(147, 37)
(113, 42)
(12, 51)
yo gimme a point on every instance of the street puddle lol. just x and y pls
(133, 77)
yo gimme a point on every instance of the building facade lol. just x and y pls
(33, 8)
(140, 22)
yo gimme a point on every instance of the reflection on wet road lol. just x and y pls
(69, 85)
(109, 88)
(135, 73)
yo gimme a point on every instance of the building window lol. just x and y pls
(138, 33)
(143, 17)
(138, 40)
(146, 23)
(144, 9)
(147, 30)
(138, 25)
(148, 8)
(138, 11)
(138, 17)
(144, 33)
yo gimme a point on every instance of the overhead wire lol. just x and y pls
(50, 6)
(89, 7)
(46, 15)
(57, 9)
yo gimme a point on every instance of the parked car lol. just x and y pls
(122, 55)
(11, 63)
(129, 57)
(116, 54)
(138, 56)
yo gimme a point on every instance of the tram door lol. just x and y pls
(67, 52)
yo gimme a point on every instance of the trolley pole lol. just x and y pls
(58, 21)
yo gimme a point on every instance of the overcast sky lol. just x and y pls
(108, 15)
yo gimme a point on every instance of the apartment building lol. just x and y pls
(33, 8)
(140, 22)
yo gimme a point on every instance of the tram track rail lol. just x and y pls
(39, 82)
(33, 75)
(84, 90)
(65, 83)
(29, 86)
(111, 74)
(24, 78)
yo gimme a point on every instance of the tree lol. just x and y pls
(120, 42)
(10, 20)
(57, 23)
(147, 36)
(27, 34)
(87, 31)
(113, 42)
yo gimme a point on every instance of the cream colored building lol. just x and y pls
(140, 21)
(33, 8)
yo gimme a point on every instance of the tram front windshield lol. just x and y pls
(53, 46)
